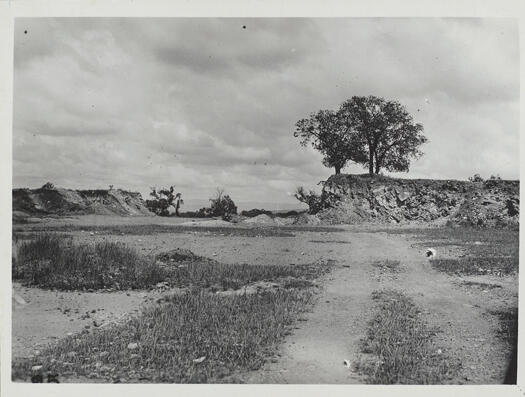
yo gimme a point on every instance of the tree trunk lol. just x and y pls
(371, 163)
(337, 170)
(378, 165)
(177, 208)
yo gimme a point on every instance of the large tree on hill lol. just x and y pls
(370, 131)
(327, 133)
(389, 138)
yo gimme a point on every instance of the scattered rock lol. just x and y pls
(199, 360)
(133, 346)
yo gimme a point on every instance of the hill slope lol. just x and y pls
(58, 201)
(360, 198)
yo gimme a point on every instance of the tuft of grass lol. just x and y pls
(50, 261)
(388, 264)
(226, 334)
(401, 341)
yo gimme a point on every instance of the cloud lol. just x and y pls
(203, 102)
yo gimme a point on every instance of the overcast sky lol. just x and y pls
(202, 103)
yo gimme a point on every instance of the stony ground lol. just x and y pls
(326, 336)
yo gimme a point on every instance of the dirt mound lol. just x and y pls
(58, 201)
(358, 199)
(262, 219)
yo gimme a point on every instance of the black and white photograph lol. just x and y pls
(265, 200)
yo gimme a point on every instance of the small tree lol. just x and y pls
(222, 205)
(313, 200)
(163, 199)
(48, 186)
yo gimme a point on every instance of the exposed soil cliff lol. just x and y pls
(359, 198)
(58, 201)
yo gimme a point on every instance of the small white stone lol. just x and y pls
(133, 346)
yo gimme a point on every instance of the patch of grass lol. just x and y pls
(401, 341)
(481, 285)
(490, 251)
(228, 333)
(477, 266)
(50, 261)
(205, 273)
(388, 264)
(330, 241)
(230, 231)
(508, 325)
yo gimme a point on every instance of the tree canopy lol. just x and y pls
(369, 131)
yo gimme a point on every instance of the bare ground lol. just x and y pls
(331, 332)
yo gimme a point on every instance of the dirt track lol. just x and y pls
(331, 334)
(314, 353)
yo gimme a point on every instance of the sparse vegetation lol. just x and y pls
(401, 342)
(195, 337)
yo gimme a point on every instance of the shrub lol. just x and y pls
(475, 178)
(222, 205)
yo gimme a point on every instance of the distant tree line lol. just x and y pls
(162, 200)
